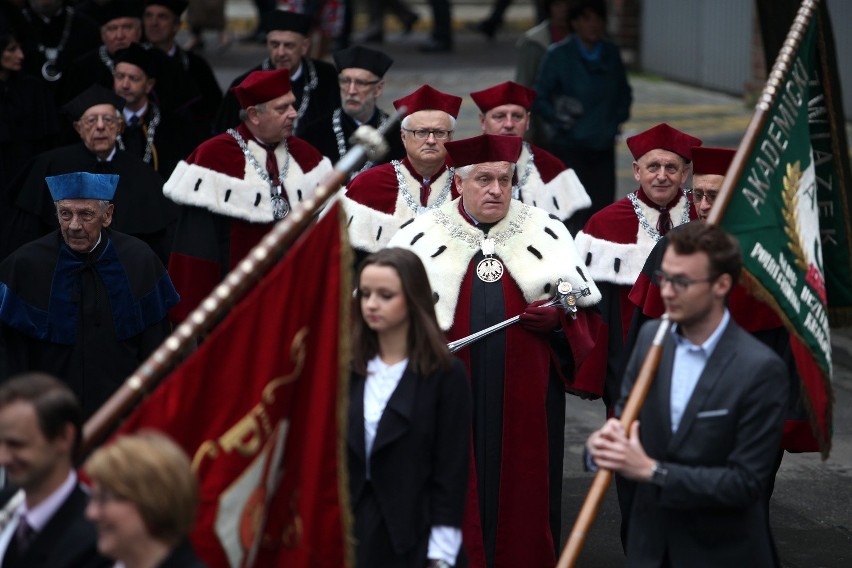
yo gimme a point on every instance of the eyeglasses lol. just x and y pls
(103, 497)
(698, 196)
(679, 283)
(359, 83)
(110, 120)
(423, 134)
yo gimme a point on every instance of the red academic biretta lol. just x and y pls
(427, 98)
(508, 93)
(663, 137)
(483, 148)
(262, 86)
(711, 161)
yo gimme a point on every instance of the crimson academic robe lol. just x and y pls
(89, 319)
(377, 203)
(614, 245)
(226, 207)
(542, 180)
(751, 314)
(515, 486)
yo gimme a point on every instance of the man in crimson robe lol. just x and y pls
(490, 257)
(382, 199)
(616, 240)
(236, 185)
(542, 180)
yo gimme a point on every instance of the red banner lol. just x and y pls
(260, 409)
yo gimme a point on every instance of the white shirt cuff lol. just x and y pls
(444, 543)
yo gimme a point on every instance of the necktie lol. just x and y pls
(664, 223)
(272, 169)
(134, 121)
(24, 536)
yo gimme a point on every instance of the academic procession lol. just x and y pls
(346, 292)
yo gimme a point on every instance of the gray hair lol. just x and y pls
(465, 171)
(406, 122)
(260, 108)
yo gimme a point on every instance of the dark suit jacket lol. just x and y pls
(709, 511)
(68, 540)
(420, 458)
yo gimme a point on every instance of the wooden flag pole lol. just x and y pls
(603, 477)
(370, 144)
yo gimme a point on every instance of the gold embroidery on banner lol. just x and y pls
(247, 436)
(791, 213)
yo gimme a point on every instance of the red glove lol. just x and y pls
(540, 319)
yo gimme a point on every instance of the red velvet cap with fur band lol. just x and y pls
(427, 98)
(483, 148)
(663, 137)
(711, 161)
(262, 86)
(508, 93)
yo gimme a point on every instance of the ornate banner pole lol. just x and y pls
(369, 144)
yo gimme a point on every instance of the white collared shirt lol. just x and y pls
(382, 380)
(689, 363)
(128, 114)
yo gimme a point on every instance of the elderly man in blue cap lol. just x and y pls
(84, 302)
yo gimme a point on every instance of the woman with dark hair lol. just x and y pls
(408, 439)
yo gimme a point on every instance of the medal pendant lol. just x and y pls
(489, 269)
(50, 72)
(279, 207)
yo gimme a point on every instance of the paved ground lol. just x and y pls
(811, 510)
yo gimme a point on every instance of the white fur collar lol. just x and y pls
(563, 196)
(535, 248)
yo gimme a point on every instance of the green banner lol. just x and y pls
(788, 214)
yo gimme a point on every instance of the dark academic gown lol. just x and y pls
(174, 139)
(318, 80)
(68, 540)
(141, 209)
(614, 244)
(200, 109)
(321, 136)
(89, 319)
(83, 72)
(83, 36)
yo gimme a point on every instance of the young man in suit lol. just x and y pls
(40, 427)
(704, 447)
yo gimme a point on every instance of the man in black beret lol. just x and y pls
(158, 136)
(361, 73)
(314, 82)
(161, 22)
(141, 209)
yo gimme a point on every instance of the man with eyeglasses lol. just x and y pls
(541, 179)
(700, 457)
(382, 199)
(84, 302)
(314, 82)
(616, 240)
(361, 76)
(490, 257)
(235, 186)
(141, 208)
(40, 428)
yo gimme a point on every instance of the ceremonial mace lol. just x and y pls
(368, 143)
(565, 297)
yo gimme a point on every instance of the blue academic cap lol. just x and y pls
(82, 185)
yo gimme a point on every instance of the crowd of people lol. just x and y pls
(136, 186)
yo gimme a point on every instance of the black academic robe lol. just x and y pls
(324, 95)
(141, 209)
(174, 139)
(322, 136)
(83, 36)
(182, 556)
(89, 319)
(201, 109)
(68, 540)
